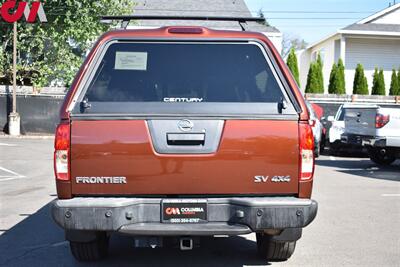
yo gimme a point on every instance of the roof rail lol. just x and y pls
(126, 19)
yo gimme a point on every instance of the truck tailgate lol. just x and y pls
(360, 121)
(245, 149)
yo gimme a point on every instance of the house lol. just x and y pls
(373, 42)
(228, 8)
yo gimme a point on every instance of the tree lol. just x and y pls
(375, 78)
(398, 78)
(312, 79)
(382, 87)
(341, 87)
(378, 83)
(394, 84)
(333, 88)
(261, 15)
(292, 41)
(320, 75)
(336, 79)
(293, 66)
(315, 79)
(360, 84)
(55, 50)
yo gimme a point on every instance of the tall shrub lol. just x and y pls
(333, 88)
(360, 84)
(398, 79)
(382, 86)
(394, 84)
(293, 65)
(312, 80)
(378, 83)
(320, 75)
(341, 78)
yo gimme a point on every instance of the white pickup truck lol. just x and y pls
(376, 128)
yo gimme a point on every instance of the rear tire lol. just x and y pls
(380, 158)
(90, 251)
(334, 148)
(274, 250)
(317, 151)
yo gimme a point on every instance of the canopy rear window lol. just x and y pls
(171, 73)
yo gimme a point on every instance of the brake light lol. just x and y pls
(185, 30)
(381, 120)
(306, 151)
(61, 152)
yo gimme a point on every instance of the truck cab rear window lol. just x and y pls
(184, 72)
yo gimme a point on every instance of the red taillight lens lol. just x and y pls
(61, 153)
(306, 151)
(185, 30)
(381, 120)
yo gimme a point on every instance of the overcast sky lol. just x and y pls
(315, 19)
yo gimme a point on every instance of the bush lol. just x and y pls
(333, 88)
(394, 84)
(312, 80)
(336, 79)
(360, 84)
(293, 66)
(398, 79)
(320, 75)
(341, 78)
(378, 84)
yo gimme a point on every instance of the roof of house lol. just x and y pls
(380, 14)
(366, 27)
(374, 27)
(228, 8)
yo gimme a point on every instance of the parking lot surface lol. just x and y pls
(357, 223)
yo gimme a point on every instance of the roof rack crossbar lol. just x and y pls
(126, 19)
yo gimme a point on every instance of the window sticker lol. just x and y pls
(131, 61)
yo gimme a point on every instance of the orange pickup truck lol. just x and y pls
(181, 132)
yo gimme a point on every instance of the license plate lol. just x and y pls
(184, 211)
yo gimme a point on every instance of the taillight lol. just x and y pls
(381, 120)
(306, 151)
(61, 152)
(187, 30)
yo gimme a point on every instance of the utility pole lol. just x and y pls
(14, 121)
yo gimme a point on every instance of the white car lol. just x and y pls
(337, 128)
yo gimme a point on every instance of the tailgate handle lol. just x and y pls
(180, 139)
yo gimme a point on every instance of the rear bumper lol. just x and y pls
(142, 216)
(362, 140)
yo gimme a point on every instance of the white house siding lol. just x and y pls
(371, 53)
(327, 50)
(303, 59)
(391, 18)
(276, 39)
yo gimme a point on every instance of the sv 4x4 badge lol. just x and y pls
(275, 179)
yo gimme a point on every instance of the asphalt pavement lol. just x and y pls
(357, 222)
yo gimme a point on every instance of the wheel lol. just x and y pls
(274, 250)
(317, 151)
(90, 251)
(381, 156)
(334, 148)
(322, 144)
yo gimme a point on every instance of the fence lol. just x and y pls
(39, 111)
